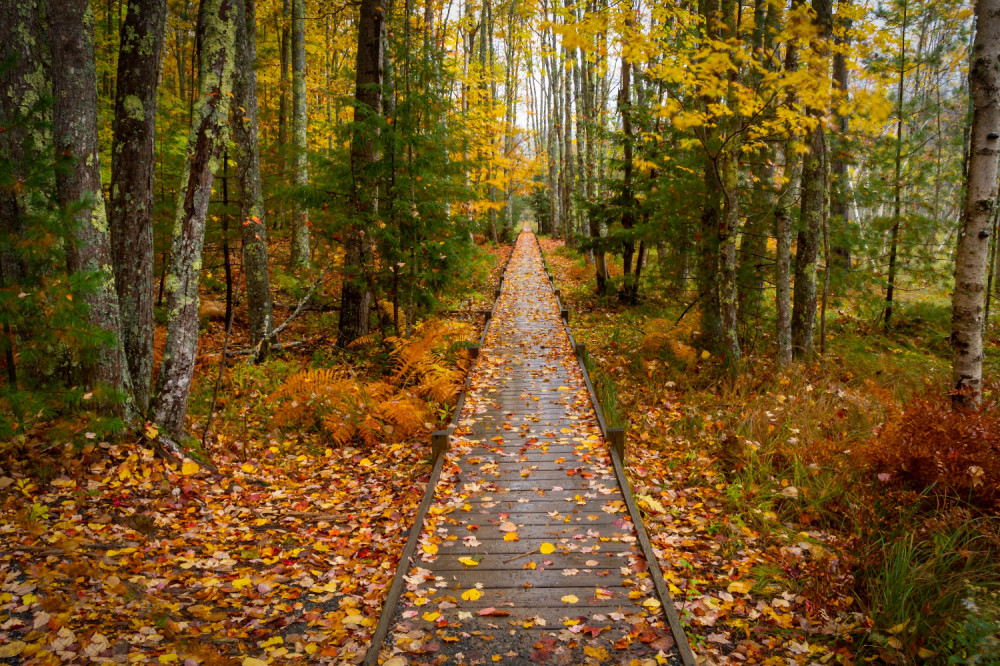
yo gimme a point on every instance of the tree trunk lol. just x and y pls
(355, 298)
(840, 189)
(711, 216)
(74, 87)
(728, 231)
(980, 202)
(23, 83)
(133, 165)
(299, 257)
(813, 204)
(284, 60)
(753, 240)
(783, 227)
(897, 185)
(256, 270)
(208, 136)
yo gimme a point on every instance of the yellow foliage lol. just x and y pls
(663, 335)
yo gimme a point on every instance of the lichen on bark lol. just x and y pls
(209, 132)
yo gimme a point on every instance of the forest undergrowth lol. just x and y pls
(838, 511)
(274, 542)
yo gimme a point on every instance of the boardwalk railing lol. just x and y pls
(615, 437)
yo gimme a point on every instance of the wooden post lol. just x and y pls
(565, 315)
(439, 442)
(558, 293)
(616, 438)
(474, 351)
(581, 350)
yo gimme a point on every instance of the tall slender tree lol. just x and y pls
(300, 256)
(814, 186)
(256, 271)
(74, 87)
(133, 165)
(355, 296)
(207, 138)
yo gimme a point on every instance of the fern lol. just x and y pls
(351, 410)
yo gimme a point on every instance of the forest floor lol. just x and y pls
(110, 553)
(784, 538)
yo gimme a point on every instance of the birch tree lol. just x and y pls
(980, 204)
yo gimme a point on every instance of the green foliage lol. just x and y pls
(933, 593)
(44, 327)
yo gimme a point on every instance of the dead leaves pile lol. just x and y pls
(120, 556)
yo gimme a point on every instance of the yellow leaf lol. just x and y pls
(510, 536)
(596, 652)
(240, 583)
(468, 561)
(547, 548)
(252, 661)
(247, 467)
(276, 640)
(472, 595)
(12, 649)
(365, 462)
(190, 467)
(740, 586)
(431, 616)
(169, 658)
(651, 603)
(570, 599)
(430, 549)
(705, 354)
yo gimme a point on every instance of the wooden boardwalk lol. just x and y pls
(528, 553)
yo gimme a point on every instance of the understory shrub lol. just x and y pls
(932, 445)
(429, 368)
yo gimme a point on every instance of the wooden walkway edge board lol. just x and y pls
(438, 449)
(615, 438)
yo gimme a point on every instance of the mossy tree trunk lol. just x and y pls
(813, 199)
(980, 204)
(133, 165)
(300, 257)
(256, 269)
(355, 297)
(74, 87)
(23, 84)
(209, 130)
